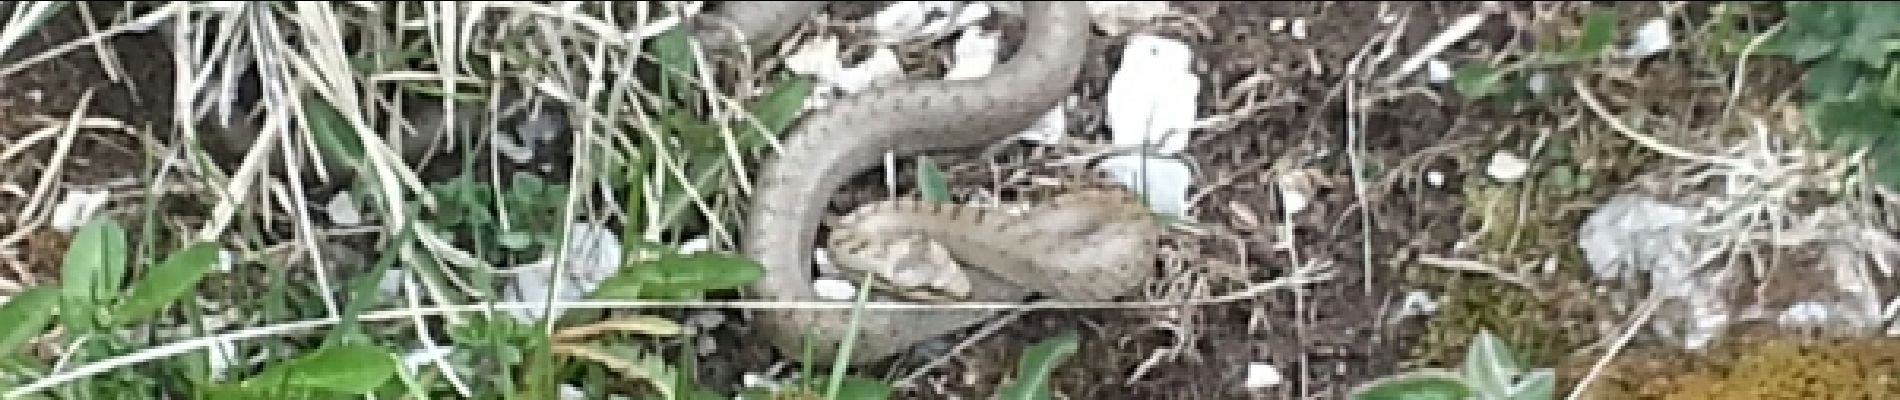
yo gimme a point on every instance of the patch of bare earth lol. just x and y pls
(129, 80)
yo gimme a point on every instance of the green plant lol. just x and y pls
(1490, 371)
(477, 212)
(1851, 89)
(1482, 81)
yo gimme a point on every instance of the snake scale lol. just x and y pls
(1038, 251)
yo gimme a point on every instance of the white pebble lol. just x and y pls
(1506, 166)
(1262, 375)
(834, 289)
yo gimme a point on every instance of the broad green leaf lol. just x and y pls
(676, 276)
(26, 315)
(94, 271)
(1831, 79)
(673, 51)
(1599, 31)
(1032, 372)
(1476, 81)
(1489, 365)
(1539, 384)
(164, 284)
(1852, 125)
(776, 110)
(1419, 385)
(354, 368)
(930, 182)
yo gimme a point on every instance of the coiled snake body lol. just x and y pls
(831, 145)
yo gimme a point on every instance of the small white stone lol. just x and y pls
(1297, 28)
(1653, 37)
(1437, 71)
(834, 289)
(1417, 302)
(1262, 375)
(1506, 166)
(1435, 178)
(1293, 199)
(225, 260)
(342, 209)
(1538, 83)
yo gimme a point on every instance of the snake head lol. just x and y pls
(909, 266)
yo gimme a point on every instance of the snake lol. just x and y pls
(828, 146)
(1088, 245)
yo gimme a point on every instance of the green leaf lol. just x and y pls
(675, 276)
(1599, 31)
(1852, 125)
(94, 271)
(1831, 79)
(776, 110)
(26, 315)
(1420, 385)
(334, 136)
(1539, 384)
(354, 369)
(1489, 365)
(1032, 372)
(1476, 81)
(930, 182)
(672, 50)
(859, 388)
(164, 284)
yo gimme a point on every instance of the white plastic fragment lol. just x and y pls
(905, 21)
(974, 54)
(821, 60)
(834, 289)
(1297, 28)
(1052, 127)
(1262, 375)
(1163, 182)
(1507, 167)
(1153, 96)
(76, 208)
(1653, 37)
(594, 254)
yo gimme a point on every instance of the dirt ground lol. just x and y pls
(1323, 339)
